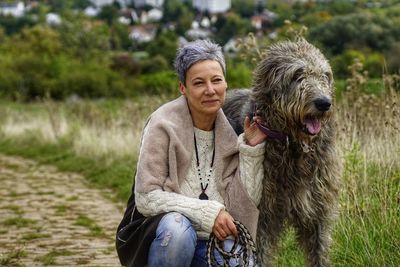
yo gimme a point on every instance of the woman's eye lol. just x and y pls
(217, 80)
(198, 83)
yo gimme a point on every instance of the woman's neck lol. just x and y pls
(204, 123)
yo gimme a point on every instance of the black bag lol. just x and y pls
(135, 234)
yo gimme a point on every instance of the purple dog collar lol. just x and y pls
(271, 133)
(268, 132)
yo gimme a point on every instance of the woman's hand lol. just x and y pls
(252, 135)
(224, 226)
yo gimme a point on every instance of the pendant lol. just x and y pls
(203, 196)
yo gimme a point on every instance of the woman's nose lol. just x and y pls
(210, 89)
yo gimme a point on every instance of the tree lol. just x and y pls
(174, 9)
(285, 11)
(119, 38)
(230, 26)
(84, 39)
(108, 13)
(165, 44)
(13, 25)
(357, 31)
(81, 4)
(244, 7)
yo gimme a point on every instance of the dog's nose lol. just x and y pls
(323, 103)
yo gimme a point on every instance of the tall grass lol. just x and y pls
(97, 138)
(101, 139)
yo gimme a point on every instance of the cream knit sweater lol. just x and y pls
(203, 213)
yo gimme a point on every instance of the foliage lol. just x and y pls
(180, 13)
(238, 75)
(231, 25)
(108, 13)
(244, 8)
(125, 63)
(283, 9)
(373, 63)
(392, 57)
(118, 37)
(13, 25)
(84, 39)
(40, 62)
(83, 55)
(165, 45)
(164, 82)
(357, 31)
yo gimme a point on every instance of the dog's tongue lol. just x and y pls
(313, 125)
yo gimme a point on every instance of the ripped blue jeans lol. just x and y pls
(176, 245)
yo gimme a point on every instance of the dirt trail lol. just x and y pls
(51, 218)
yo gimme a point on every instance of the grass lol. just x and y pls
(19, 222)
(95, 230)
(12, 258)
(16, 209)
(367, 231)
(60, 209)
(51, 257)
(34, 236)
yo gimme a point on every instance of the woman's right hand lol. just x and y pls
(224, 226)
(252, 134)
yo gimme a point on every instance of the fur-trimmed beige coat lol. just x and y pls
(166, 155)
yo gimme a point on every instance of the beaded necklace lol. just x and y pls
(203, 195)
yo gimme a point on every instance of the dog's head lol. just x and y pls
(293, 88)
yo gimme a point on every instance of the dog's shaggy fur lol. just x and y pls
(293, 92)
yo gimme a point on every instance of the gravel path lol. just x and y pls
(52, 218)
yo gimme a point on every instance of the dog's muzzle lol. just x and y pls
(312, 124)
(323, 104)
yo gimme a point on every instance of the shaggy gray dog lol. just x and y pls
(293, 93)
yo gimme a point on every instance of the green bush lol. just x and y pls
(373, 63)
(239, 76)
(165, 82)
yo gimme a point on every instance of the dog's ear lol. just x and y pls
(264, 81)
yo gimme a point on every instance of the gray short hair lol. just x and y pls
(194, 52)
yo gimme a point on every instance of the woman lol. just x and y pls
(188, 174)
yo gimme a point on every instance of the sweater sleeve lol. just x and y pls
(251, 168)
(202, 213)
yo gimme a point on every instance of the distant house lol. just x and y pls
(152, 3)
(124, 20)
(143, 33)
(91, 11)
(263, 19)
(198, 33)
(16, 9)
(154, 14)
(53, 19)
(212, 6)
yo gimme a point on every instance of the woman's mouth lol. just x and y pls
(210, 101)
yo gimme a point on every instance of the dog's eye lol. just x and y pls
(327, 76)
(298, 75)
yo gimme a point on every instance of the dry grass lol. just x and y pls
(94, 129)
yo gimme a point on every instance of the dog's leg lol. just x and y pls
(315, 239)
(269, 231)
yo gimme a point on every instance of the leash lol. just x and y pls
(246, 251)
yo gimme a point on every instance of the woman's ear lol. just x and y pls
(182, 88)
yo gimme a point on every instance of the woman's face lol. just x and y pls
(205, 88)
